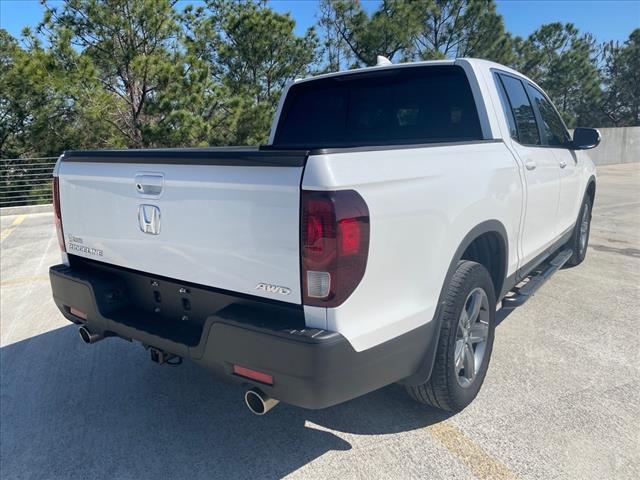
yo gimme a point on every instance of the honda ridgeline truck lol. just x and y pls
(370, 241)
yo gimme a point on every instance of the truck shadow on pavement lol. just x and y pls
(71, 410)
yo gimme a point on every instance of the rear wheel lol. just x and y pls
(465, 342)
(580, 238)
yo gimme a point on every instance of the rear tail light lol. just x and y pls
(335, 245)
(57, 215)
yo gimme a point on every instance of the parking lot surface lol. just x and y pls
(561, 399)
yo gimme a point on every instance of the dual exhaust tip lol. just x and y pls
(258, 402)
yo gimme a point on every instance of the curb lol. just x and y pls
(26, 210)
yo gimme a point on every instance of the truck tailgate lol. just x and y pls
(222, 218)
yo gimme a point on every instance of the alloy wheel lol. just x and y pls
(471, 337)
(584, 227)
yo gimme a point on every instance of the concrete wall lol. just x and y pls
(619, 145)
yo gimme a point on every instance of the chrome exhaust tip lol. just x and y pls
(259, 402)
(88, 337)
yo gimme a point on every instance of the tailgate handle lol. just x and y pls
(149, 184)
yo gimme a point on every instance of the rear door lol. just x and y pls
(225, 219)
(541, 170)
(556, 137)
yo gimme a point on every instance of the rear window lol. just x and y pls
(383, 107)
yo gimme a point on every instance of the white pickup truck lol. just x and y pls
(369, 242)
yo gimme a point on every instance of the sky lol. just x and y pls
(605, 19)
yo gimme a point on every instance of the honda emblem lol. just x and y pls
(149, 219)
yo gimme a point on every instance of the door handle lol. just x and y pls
(563, 164)
(530, 164)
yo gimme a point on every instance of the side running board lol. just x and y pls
(519, 295)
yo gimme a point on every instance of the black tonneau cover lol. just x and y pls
(237, 156)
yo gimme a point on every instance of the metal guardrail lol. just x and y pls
(26, 181)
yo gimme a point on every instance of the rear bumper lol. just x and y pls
(311, 368)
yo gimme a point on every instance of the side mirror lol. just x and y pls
(585, 138)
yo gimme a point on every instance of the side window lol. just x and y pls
(555, 133)
(504, 101)
(522, 111)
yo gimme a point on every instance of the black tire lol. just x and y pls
(577, 243)
(444, 390)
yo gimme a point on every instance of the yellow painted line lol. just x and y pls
(7, 231)
(481, 464)
(18, 281)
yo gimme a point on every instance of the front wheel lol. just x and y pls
(465, 342)
(580, 237)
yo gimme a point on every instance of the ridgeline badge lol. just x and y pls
(76, 244)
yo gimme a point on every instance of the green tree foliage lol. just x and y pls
(461, 28)
(131, 45)
(138, 73)
(259, 52)
(255, 52)
(415, 30)
(334, 49)
(134, 73)
(621, 78)
(16, 104)
(563, 62)
(389, 31)
(49, 101)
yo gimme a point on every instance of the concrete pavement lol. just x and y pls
(561, 399)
